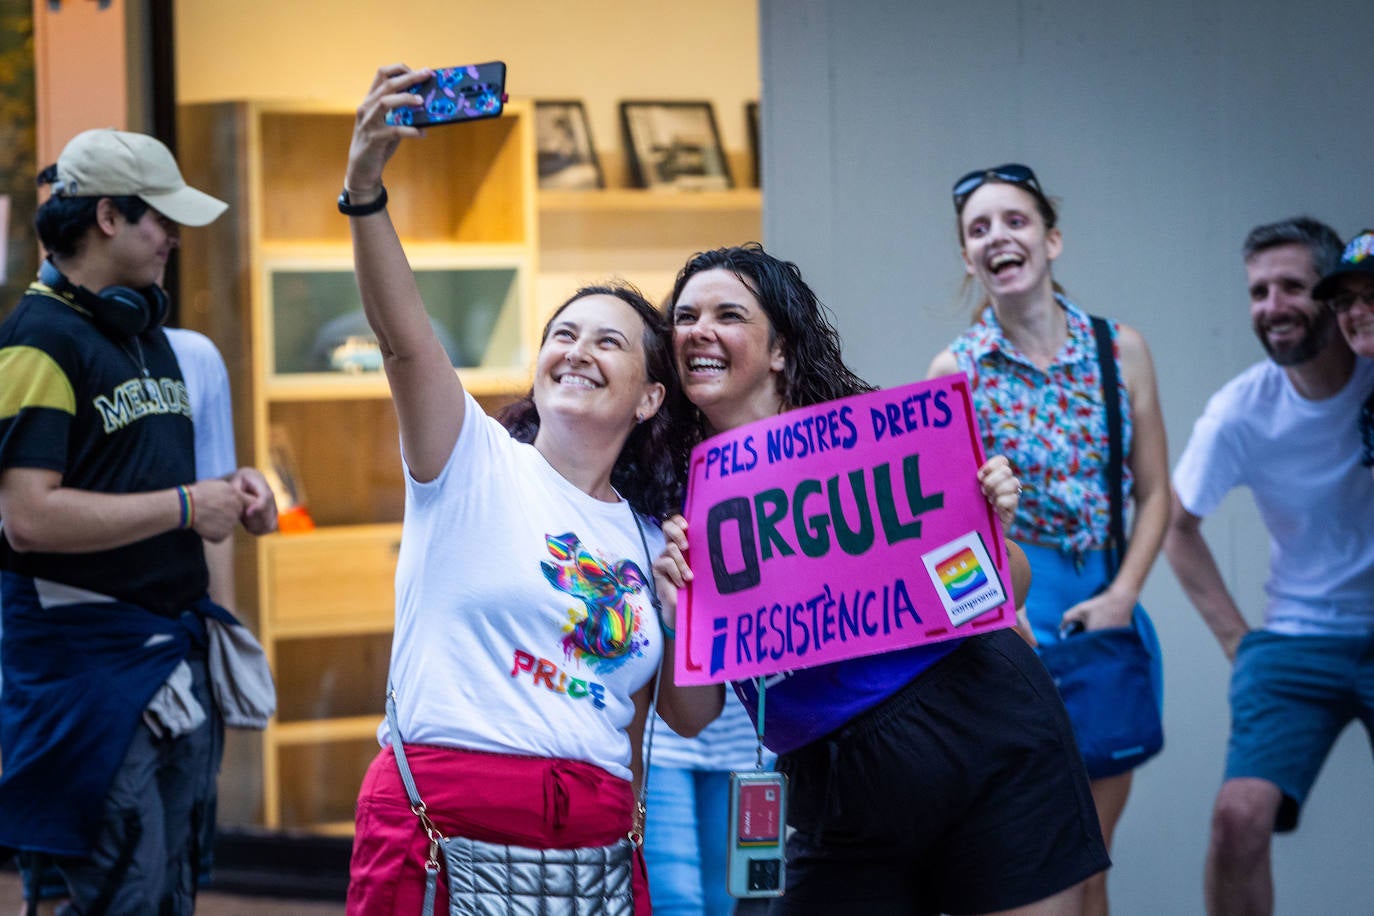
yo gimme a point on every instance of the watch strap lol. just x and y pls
(348, 208)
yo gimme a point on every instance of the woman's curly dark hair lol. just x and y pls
(651, 469)
(813, 366)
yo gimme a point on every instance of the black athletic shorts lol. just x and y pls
(963, 793)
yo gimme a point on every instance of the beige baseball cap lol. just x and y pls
(115, 163)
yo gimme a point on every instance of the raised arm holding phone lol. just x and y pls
(526, 638)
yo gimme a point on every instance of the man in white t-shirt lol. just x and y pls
(1286, 428)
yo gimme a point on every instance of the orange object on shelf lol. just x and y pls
(295, 520)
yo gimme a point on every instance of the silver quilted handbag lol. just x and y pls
(491, 878)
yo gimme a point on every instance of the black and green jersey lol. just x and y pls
(110, 414)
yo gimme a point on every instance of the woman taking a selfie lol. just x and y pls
(1032, 362)
(900, 795)
(526, 641)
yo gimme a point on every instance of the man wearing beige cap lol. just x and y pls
(108, 726)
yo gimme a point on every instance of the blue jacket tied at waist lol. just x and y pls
(79, 668)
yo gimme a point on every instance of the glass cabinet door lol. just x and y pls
(317, 323)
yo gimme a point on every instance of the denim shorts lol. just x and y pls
(1291, 696)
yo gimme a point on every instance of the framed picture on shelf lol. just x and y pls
(751, 123)
(565, 154)
(674, 145)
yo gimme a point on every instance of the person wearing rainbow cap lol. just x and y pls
(1349, 292)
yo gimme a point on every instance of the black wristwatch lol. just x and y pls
(347, 208)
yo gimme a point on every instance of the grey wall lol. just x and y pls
(1166, 129)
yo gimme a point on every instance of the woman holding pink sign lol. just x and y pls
(1037, 379)
(939, 778)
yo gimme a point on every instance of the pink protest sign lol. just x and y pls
(846, 529)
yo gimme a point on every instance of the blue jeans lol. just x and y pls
(685, 840)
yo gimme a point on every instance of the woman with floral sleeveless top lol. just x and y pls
(1032, 360)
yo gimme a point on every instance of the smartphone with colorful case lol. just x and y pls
(455, 94)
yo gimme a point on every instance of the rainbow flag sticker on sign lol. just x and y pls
(960, 569)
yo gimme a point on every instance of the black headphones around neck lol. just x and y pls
(120, 310)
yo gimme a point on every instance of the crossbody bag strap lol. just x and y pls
(401, 763)
(417, 806)
(1111, 398)
(642, 796)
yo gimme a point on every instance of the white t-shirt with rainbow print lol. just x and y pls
(524, 623)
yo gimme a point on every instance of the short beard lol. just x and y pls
(1319, 330)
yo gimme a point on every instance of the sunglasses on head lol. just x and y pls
(1011, 173)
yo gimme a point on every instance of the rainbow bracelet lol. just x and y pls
(188, 508)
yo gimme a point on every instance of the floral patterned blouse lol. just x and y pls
(1051, 425)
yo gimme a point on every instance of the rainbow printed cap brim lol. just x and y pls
(1358, 258)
